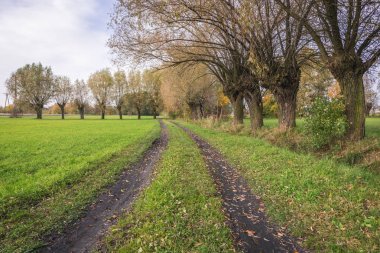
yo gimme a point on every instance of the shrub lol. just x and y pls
(325, 122)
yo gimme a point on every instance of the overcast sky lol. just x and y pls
(68, 35)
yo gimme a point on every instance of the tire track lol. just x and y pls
(245, 211)
(85, 234)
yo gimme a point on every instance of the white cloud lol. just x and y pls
(68, 35)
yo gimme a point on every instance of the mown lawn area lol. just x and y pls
(334, 207)
(179, 211)
(50, 169)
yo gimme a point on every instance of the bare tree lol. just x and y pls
(137, 93)
(188, 32)
(119, 89)
(33, 84)
(100, 84)
(153, 87)
(81, 96)
(63, 92)
(11, 85)
(347, 36)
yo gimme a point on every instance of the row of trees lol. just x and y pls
(255, 45)
(36, 86)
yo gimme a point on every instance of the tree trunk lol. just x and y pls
(138, 113)
(103, 113)
(255, 106)
(120, 112)
(238, 107)
(286, 99)
(353, 91)
(81, 112)
(62, 107)
(39, 111)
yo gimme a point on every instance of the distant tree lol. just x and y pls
(315, 82)
(119, 90)
(370, 94)
(32, 84)
(136, 95)
(153, 88)
(81, 96)
(63, 92)
(100, 84)
(11, 84)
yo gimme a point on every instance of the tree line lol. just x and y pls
(35, 86)
(256, 46)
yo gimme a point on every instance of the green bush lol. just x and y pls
(325, 122)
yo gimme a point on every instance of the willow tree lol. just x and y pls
(277, 40)
(34, 84)
(119, 90)
(81, 96)
(100, 84)
(63, 93)
(152, 82)
(182, 32)
(347, 34)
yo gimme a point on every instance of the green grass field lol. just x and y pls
(179, 211)
(335, 207)
(39, 159)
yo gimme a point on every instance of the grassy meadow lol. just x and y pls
(50, 169)
(334, 207)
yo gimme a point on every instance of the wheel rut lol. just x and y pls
(84, 234)
(243, 209)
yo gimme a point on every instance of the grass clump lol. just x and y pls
(334, 207)
(179, 211)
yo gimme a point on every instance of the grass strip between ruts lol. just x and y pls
(179, 211)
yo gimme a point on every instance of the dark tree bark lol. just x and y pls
(352, 88)
(285, 93)
(238, 107)
(62, 107)
(38, 109)
(255, 107)
(138, 113)
(120, 112)
(81, 112)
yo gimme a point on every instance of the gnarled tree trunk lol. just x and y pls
(238, 107)
(255, 107)
(285, 94)
(352, 88)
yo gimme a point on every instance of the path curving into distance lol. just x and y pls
(84, 234)
(244, 211)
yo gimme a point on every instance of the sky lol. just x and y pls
(68, 35)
